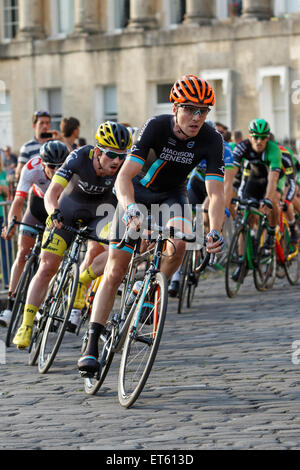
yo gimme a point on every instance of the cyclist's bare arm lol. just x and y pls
(215, 191)
(124, 185)
(52, 196)
(228, 185)
(15, 210)
(272, 184)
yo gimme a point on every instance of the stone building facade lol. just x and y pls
(116, 59)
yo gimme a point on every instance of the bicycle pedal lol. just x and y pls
(86, 375)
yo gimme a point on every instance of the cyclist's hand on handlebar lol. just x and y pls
(214, 242)
(55, 219)
(7, 236)
(133, 217)
(266, 206)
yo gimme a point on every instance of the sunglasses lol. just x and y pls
(42, 113)
(259, 137)
(194, 110)
(112, 155)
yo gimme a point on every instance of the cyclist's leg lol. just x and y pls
(179, 216)
(115, 270)
(50, 260)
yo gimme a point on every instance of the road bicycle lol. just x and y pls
(189, 277)
(287, 253)
(247, 250)
(137, 327)
(30, 268)
(55, 312)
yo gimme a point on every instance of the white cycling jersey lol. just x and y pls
(33, 175)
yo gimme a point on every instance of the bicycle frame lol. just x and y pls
(251, 247)
(281, 257)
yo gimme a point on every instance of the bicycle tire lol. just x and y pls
(58, 316)
(264, 273)
(39, 326)
(184, 280)
(133, 375)
(193, 278)
(292, 263)
(20, 299)
(233, 261)
(92, 384)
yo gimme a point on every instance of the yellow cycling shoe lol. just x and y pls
(23, 337)
(79, 301)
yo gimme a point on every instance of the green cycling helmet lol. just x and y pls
(259, 127)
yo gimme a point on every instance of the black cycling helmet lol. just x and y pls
(114, 135)
(54, 152)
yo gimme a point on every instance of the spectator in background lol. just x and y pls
(41, 123)
(81, 142)
(221, 128)
(237, 138)
(70, 129)
(4, 253)
(9, 160)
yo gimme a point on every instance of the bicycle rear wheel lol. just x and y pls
(236, 264)
(142, 341)
(20, 299)
(59, 314)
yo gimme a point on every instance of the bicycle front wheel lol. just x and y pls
(106, 342)
(264, 273)
(183, 289)
(196, 259)
(59, 314)
(20, 299)
(142, 341)
(236, 264)
(291, 255)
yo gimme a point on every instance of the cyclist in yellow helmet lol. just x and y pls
(79, 190)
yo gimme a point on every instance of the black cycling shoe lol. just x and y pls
(236, 274)
(173, 288)
(88, 366)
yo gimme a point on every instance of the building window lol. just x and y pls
(274, 100)
(173, 12)
(118, 14)
(177, 11)
(282, 7)
(63, 17)
(6, 133)
(51, 99)
(228, 8)
(221, 82)
(161, 98)
(10, 19)
(110, 105)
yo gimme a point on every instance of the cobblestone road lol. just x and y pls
(224, 379)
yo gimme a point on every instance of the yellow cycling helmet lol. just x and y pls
(114, 135)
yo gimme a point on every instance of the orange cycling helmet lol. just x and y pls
(191, 88)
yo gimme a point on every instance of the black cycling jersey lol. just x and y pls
(167, 160)
(289, 171)
(260, 163)
(77, 175)
(86, 196)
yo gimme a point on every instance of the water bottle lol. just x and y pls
(135, 290)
